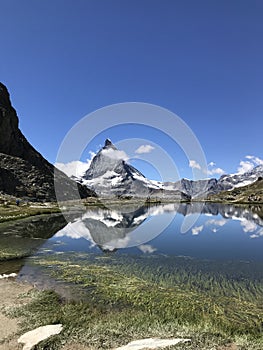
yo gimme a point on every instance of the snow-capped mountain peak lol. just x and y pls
(239, 180)
(109, 174)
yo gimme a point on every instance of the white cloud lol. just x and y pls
(215, 222)
(219, 223)
(117, 243)
(211, 164)
(193, 164)
(216, 171)
(75, 230)
(147, 248)
(196, 230)
(248, 226)
(258, 234)
(245, 166)
(212, 171)
(256, 160)
(249, 164)
(115, 154)
(76, 167)
(144, 149)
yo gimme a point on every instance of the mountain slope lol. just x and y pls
(239, 180)
(252, 193)
(195, 189)
(23, 170)
(203, 188)
(110, 176)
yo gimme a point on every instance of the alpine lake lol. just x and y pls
(115, 273)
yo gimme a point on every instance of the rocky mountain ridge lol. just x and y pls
(24, 172)
(251, 193)
(110, 175)
(203, 188)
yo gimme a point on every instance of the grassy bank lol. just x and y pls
(9, 212)
(128, 298)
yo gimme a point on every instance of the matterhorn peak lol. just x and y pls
(108, 144)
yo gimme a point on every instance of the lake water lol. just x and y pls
(222, 237)
(148, 269)
(205, 231)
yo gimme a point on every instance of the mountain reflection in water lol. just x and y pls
(224, 238)
(120, 228)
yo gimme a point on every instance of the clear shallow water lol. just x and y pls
(189, 262)
(180, 241)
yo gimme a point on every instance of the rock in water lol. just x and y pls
(32, 338)
(24, 172)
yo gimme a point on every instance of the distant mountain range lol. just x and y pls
(207, 188)
(111, 176)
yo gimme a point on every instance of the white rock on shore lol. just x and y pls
(10, 275)
(35, 336)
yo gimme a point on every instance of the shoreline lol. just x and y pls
(10, 291)
(19, 295)
(12, 212)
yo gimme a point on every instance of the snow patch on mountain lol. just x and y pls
(109, 175)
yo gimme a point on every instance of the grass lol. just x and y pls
(120, 298)
(11, 212)
(125, 301)
(250, 194)
(17, 247)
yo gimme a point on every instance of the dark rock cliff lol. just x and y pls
(23, 170)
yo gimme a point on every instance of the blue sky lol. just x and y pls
(202, 60)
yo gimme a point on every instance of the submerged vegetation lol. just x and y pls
(21, 238)
(126, 297)
(115, 298)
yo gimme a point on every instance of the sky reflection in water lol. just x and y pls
(220, 232)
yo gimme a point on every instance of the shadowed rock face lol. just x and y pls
(23, 170)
